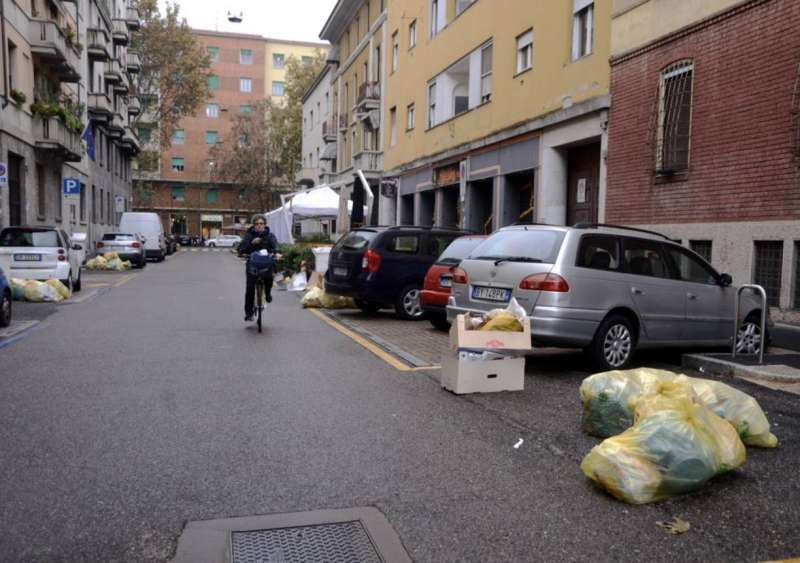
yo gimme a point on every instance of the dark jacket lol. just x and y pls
(268, 242)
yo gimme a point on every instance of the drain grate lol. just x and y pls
(337, 542)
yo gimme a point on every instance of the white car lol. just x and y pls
(227, 241)
(40, 253)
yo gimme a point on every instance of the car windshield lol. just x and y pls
(357, 240)
(520, 245)
(112, 236)
(459, 249)
(32, 238)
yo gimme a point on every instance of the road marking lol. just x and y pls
(377, 350)
(17, 331)
(85, 296)
(90, 285)
(124, 280)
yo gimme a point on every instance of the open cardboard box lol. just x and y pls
(460, 337)
(482, 376)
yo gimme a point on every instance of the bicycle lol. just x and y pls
(261, 265)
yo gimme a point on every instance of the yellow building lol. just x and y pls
(276, 55)
(495, 112)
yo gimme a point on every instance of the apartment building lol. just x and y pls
(494, 116)
(704, 132)
(317, 155)
(65, 113)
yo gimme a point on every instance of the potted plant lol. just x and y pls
(18, 97)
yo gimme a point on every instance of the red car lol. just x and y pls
(439, 279)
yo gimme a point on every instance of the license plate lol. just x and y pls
(491, 293)
(340, 272)
(28, 257)
(446, 281)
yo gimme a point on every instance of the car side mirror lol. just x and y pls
(725, 280)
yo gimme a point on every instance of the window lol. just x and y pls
(245, 85)
(393, 126)
(143, 133)
(102, 203)
(525, 51)
(178, 193)
(406, 244)
(245, 57)
(582, 28)
(306, 60)
(212, 137)
(177, 164)
(278, 60)
(12, 65)
(599, 253)
(690, 268)
(213, 54)
(434, 17)
(645, 258)
(244, 139)
(277, 88)
(212, 195)
(311, 119)
(395, 51)
(431, 105)
(702, 247)
(410, 111)
(486, 73)
(412, 34)
(212, 110)
(674, 118)
(768, 269)
(245, 109)
(82, 205)
(178, 137)
(213, 82)
(437, 244)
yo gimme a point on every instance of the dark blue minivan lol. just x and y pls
(5, 300)
(386, 266)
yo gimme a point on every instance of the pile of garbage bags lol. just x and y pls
(316, 298)
(666, 433)
(108, 261)
(51, 291)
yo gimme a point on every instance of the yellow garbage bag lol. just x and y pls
(328, 301)
(40, 292)
(97, 263)
(62, 289)
(312, 298)
(109, 256)
(675, 446)
(504, 321)
(17, 289)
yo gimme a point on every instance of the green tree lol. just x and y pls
(286, 121)
(173, 81)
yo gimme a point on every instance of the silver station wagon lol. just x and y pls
(606, 289)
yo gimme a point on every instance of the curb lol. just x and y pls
(716, 366)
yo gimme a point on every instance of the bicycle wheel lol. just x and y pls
(259, 302)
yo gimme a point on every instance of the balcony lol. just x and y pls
(134, 62)
(51, 46)
(134, 106)
(116, 126)
(52, 135)
(97, 44)
(369, 96)
(120, 33)
(113, 71)
(369, 162)
(329, 132)
(99, 107)
(130, 142)
(343, 122)
(132, 18)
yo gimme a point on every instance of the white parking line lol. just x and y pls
(16, 327)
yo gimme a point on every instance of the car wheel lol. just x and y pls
(76, 287)
(408, 305)
(748, 339)
(212, 245)
(614, 344)
(162, 256)
(68, 282)
(5, 309)
(368, 306)
(440, 322)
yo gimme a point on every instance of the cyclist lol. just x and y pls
(258, 237)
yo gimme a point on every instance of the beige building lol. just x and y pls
(276, 54)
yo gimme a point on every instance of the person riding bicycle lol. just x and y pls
(258, 237)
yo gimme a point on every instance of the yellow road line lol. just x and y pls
(378, 351)
(124, 280)
(90, 285)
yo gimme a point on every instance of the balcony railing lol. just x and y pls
(113, 72)
(132, 17)
(97, 44)
(134, 106)
(53, 135)
(51, 45)
(370, 93)
(116, 125)
(329, 130)
(120, 34)
(130, 141)
(134, 63)
(99, 106)
(368, 161)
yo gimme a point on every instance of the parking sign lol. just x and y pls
(72, 188)
(3, 174)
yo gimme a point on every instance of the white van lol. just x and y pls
(148, 225)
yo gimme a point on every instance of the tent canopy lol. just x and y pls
(317, 203)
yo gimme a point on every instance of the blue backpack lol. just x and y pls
(261, 265)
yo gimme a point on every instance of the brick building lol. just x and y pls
(704, 132)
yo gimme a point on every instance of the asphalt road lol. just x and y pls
(153, 404)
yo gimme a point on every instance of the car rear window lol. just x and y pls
(18, 237)
(118, 237)
(357, 240)
(459, 249)
(534, 244)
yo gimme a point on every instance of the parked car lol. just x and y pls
(439, 279)
(607, 289)
(5, 300)
(148, 225)
(184, 240)
(40, 253)
(171, 243)
(129, 246)
(386, 266)
(227, 241)
(81, 240)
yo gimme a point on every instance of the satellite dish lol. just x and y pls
(233, 18)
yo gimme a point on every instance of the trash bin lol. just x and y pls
(321, 256)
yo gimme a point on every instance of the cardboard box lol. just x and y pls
(482, 376)
(460, 337)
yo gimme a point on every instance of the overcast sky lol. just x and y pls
(300, 20)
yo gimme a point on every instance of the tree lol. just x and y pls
(247, 158)
(173, 81)
(287, 121)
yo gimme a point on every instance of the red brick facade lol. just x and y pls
(744, 154)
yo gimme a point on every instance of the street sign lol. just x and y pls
(72, 188)
(3, 174)
(119, 202)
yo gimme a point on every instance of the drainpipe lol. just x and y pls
(6, 83)
(370, 196)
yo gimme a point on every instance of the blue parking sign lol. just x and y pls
(72, 187)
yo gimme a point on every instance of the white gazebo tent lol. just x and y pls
(317, 203)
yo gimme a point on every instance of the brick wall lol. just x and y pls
(742, 165)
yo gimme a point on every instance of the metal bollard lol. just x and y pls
(763, 295)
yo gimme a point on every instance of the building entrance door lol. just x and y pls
(583, 183)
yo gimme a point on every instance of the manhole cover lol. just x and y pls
(334, 543)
